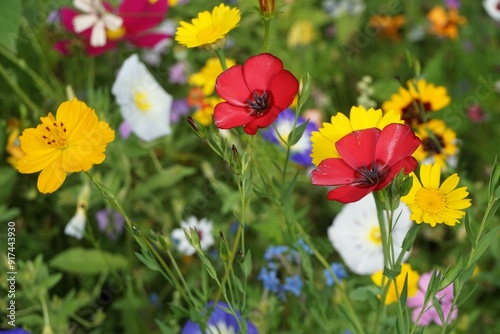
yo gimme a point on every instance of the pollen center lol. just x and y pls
(114, 35)
(141, 100)
(259, 103)
(375, 236)
(55, 135)
(430, 200)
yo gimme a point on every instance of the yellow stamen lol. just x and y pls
(141, 101)
(430, 200)
(114, 35)
(375, 236)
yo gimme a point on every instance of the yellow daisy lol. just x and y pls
(72, 141)
(408, 102)
(208, 74)
(396, 287)
(208, 30)
(323, 140)
(438, 142)
(432, 202)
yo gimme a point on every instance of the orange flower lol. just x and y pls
(388, 26)
(445, 24)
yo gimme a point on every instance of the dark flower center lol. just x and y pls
(433, 145)
(372, 175)
(259, 103)
(200, 234)
(411, 113)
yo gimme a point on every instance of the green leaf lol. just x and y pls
(296, 134)
(410, 238)
(9, 24)
(483, 244)
(88, 261)
(164, 179)
(470, 232)
(452, 273)
(8, 180)
(364, 293)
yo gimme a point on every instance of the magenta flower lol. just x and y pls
(139, 18)
(429, 313)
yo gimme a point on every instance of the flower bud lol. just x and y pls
(197, 128)
(267, 7)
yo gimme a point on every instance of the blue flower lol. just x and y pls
(301, 151)
(339, 271)
(219, 322)
(274, 252)
(305, 246)
(293, 284)
(14, 331)
(270, 279)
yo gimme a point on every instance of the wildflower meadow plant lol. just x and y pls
(294, 166)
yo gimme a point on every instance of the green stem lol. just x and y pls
(15, 87)
(222, 58)
(46, 318)
(267, 28)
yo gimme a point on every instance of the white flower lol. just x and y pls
(96, 17)
(492, 7)
(355, 234)
(221, 328)
(204, 229)
(144, 104)
(76, 226)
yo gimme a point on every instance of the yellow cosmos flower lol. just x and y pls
(432, 202)
(323, 141)
(421, 95)
(72, 141)
(208, 30)
(13, 148)
(208, 74)
(445, 24)
(438, 142)
(396, 287)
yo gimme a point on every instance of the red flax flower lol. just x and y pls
(255, 93)
(369, 160)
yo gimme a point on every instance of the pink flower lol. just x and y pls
(429, 313)
(139, 18)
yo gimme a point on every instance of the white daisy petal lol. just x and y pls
(84, 21)
(204, 228)
(492, 7)
(76, 226)
(86, 6)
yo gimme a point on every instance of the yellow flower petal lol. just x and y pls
(449, 184)
(51, 178)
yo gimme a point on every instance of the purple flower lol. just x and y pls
(180, 108)
(177, 73)
(219, 322)
(110, 223)
(125, 129)
(429, 313)
(14, 331)
(301, 151)
(453, 4)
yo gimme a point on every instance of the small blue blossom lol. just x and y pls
(305, 246)
(274, 252)
(294, 285)
(339, 271)
(269, 279)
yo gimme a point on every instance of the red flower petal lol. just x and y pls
(408, 163)
(67, 16)
(284, 86)
(147, 40)
(396, 142)
(232, 87)
(358, 147)
(348, 193)
(141, 15)
(259, 70)
(227, 116)
(262, 121)
(333, 172)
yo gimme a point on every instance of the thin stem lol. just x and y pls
(46, 318)
(222, 58)
(267, 28)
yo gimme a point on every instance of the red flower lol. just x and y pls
(255, 93)
(139, 17)
(370, 159)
